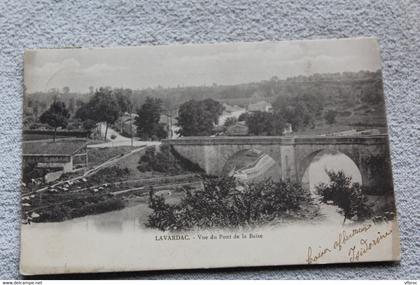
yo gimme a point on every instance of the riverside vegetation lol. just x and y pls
(224, 202)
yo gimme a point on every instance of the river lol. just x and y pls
(119, 240)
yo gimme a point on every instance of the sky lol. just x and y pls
(194, 65)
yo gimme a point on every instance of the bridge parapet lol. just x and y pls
(279, 140)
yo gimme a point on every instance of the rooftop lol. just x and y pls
(259, 106)
(62, 147)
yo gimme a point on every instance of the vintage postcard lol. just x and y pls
(204, 156)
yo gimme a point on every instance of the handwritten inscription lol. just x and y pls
(314, 258)
(366, 245)
(344, 237)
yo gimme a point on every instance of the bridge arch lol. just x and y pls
(343, 160)
(294, 154)
(253, 163)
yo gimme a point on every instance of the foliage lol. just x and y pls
(329, 116)
(30, 171)
(122, 96)
(89, 124)
(102, 107)
(346, 195)
(265, 124)
(300, 110)
(242, 117)
(79, 207)
(337, 91)
(108, 174)
(222, 204)
(197, 118)
(165, 161)
(147, 122)
(230, 121)
(56, 116)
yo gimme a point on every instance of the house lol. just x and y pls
(57, 157)
(230, 112)
(125, 124)
(261, 106)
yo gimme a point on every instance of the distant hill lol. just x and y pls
(356, 96)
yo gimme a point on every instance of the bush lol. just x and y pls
(222, 204)
(346, 195)
(230, 121)
(30, 171)
(243, 117)
(79, 208)
(109, 174)
(113, 137)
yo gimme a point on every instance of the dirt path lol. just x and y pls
(120, 140)
(111, 161)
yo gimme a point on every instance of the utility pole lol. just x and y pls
(131, 126)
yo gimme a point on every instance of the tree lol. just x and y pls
(56, 116)
(265, 124)
(102, 107)
(299, 110)
(124, 102)
(197, 118)
(35, 109)
(214, 108)
(243, 117)
(66, 90)
(123, 99)
(148, 118)
(84, 112)
(346, 195)
(230, 121)
(89, 124)
(71, 105)
(330, 116)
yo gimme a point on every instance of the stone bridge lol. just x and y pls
(292, 154)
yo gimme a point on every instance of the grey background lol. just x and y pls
(30, 24)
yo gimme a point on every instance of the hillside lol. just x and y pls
(358, 97)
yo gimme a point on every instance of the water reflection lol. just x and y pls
(128, 220)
